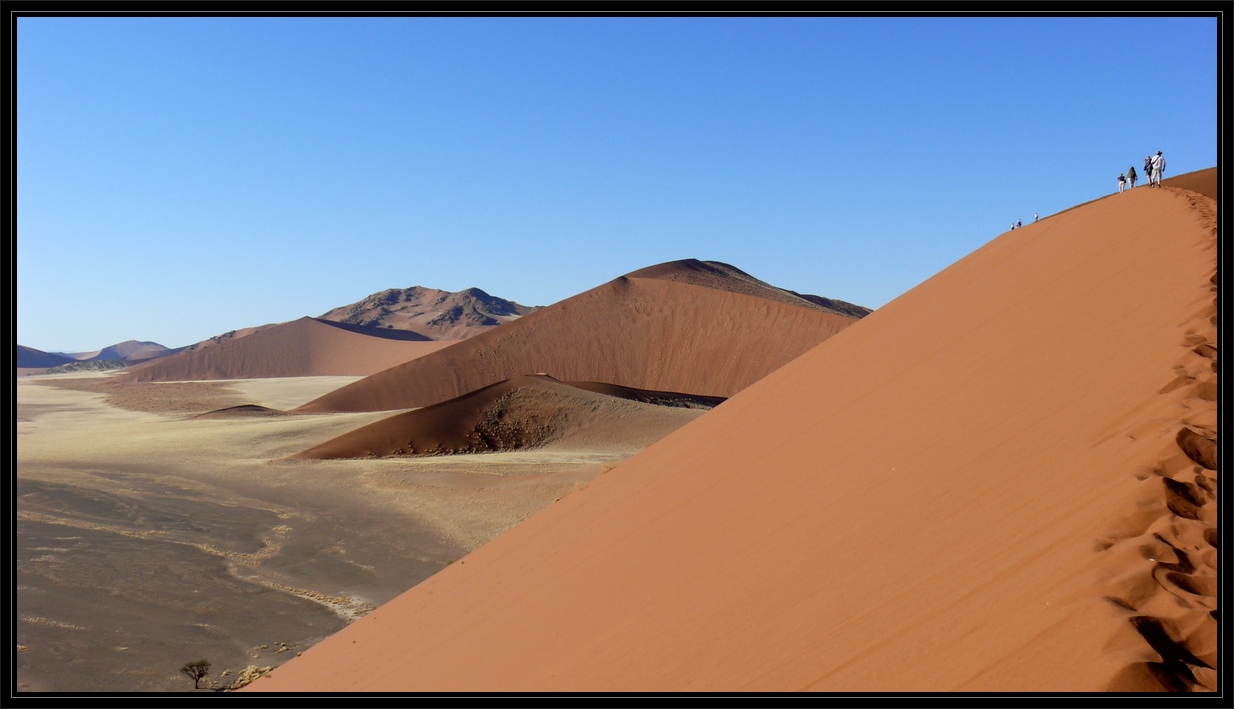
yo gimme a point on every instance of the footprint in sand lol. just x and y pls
(1182, 546)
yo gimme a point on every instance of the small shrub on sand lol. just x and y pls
(196, 671)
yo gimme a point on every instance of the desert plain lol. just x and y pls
(150, 536)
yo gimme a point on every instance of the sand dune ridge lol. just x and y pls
(654, 334)
(919, 504)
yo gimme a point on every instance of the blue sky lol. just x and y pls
(182, 177)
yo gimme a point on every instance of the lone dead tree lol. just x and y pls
(196, 671)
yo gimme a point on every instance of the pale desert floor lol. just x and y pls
(147, 538)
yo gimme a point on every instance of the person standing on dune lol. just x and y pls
(1122, 181)
(1158, 168)
(1131, 177)
(1148, 169)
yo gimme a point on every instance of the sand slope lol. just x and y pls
(522, 412)
(1202, 181)
(980, 487)
(300, 348)
(655, 333)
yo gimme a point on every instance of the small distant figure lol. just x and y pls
(1034, 216)
(1122, 181)
(1013, 226)
(1158, 164)
(1148, 169)
(1131, 177)
(1018, 224)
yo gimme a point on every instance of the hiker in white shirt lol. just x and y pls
(1158, 169)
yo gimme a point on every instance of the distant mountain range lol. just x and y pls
(125, 353)
(400, 314)
(702, 343)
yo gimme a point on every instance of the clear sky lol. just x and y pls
(182, 177)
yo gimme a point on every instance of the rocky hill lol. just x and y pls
(437, 314)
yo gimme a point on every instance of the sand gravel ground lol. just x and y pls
(148, 537)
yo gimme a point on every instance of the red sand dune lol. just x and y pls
(981, 487)
(522, 412)
(1202, 181)
(300, 348)
(658, 333)
(229, 336)
(721, 276)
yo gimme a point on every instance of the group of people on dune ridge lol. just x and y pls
(1154, 168)
(1017, 224)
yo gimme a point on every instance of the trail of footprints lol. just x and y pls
(1173, 608)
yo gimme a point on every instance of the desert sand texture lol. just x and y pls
(157, 523)
(647, 333)
(301, 348)
(1001, 481)
(1202, 181)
